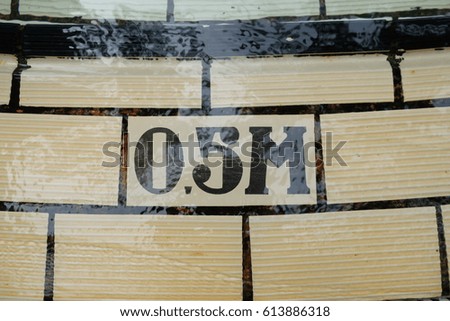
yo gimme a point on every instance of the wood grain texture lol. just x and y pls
(343, 7)
(97, 9)
(426, 74)
(243, 82)
(23, 249)
(7, 65)
(361, 255)
(195, 10)
(148, 257)
(5, 6)
(58, 159)
(388, 155)
(112, 82)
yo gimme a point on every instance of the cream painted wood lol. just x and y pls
(125, 257)
(244, 82)
(112, 82)
(97, 9)
(426, 74)
(7, 65)
(5, 6)
(23, 251)
(388, 155)
(195, 10)
(58, 159)
(343, 7)
(361, 255)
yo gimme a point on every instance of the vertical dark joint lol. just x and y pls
(320, 167)
(323, 9)
(247, 278)
(206, 84)
(395, 59)
(123, 163)
(14, 101)
(443, 252)
(14, 9)
(170, 11)
(50, 260)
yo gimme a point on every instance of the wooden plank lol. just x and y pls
(5, 7)
(7, 65)
(361, 255)
(344, 7)
(388, 155)
(58, 159)
(98, 9)
(244, 82)
(223, 178)
(112, 82)
(426, 74)
(195, 10)
(148, 257)
(23, 250)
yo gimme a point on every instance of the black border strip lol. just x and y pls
(443, 252)
(263, 37)
(222, 210)
(231, 111)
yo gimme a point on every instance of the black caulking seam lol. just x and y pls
(14, 101)
(123, 163)
(228, 111)
(394, 61)
(206, 85)
(323, 9)
(247, 274)
(443, 252)
(170, 11)
(50, 259)
(14, 10)
(321, 189)
(221, 210)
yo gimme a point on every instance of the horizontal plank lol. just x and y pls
(23, 252)
(387, 155)
(345, 7)
(426, 74)
(244, 82)
(125, 258)
(196, 10)
(58, 159)
(7, 65)
(99, 9)
(112, 82)
(310, 257)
